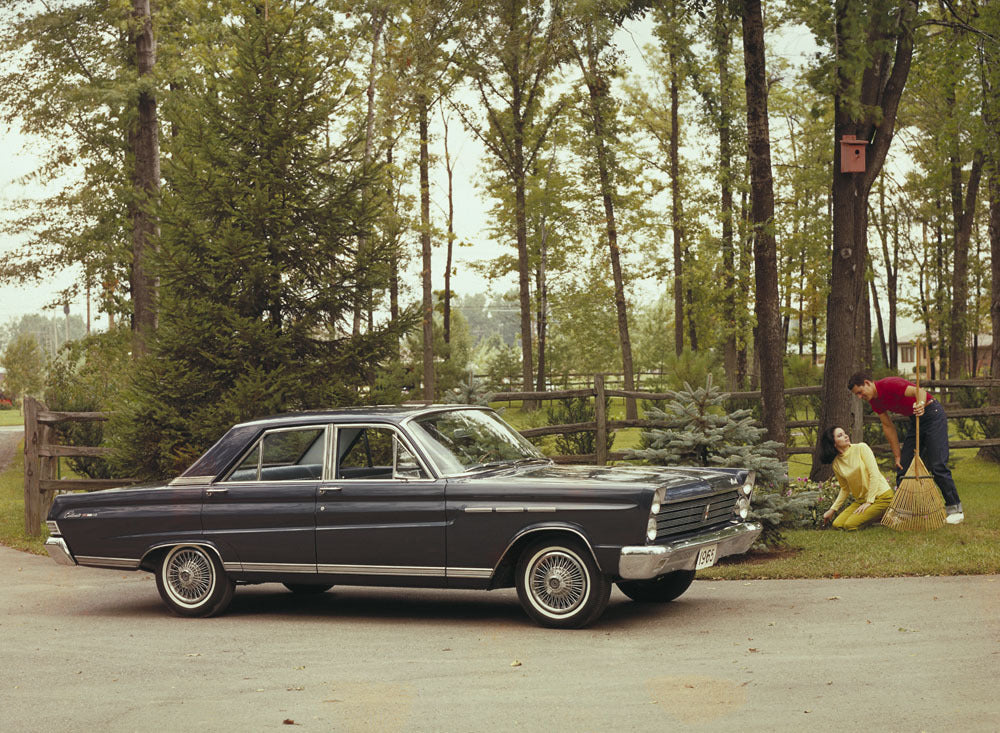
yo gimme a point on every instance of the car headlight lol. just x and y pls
(658, 498)
(742, 508)
(747, 487)
(651, 529)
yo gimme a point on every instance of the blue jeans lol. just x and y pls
(933, 449)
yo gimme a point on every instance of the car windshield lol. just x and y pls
(465, 440)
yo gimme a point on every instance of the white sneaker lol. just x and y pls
(955, 514)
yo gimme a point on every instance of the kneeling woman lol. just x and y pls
(859, 477)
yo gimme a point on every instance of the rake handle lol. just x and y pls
(916, 454)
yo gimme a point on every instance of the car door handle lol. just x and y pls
(329, 489)
(216, 491)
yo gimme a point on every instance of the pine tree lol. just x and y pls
(696, 430)
(258, 265)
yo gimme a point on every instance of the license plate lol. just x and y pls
(706, 557)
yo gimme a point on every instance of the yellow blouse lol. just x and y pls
(859, 475)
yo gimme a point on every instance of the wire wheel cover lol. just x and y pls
(190, 576)
(558, 582)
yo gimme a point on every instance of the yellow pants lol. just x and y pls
(847, 519)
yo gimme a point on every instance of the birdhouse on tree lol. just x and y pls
(852, 154)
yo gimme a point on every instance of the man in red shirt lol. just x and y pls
(897, 395)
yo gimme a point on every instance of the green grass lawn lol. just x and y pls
(11, 417)
(12, 532)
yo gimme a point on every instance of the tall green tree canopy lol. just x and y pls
(258, 261)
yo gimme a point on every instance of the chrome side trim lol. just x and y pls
(512, 509)
(125, 563)
(407, 570)
(651, 561)
(59, 551)
(191, 481)
(274, 567)
(482, 573)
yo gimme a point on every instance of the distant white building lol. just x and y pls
(907, 353)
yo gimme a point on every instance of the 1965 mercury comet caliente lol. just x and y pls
(438, 496)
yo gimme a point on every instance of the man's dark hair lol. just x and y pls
(858, 379)
(827, 448)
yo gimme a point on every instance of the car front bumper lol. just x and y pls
(651, 561)
(59, 551)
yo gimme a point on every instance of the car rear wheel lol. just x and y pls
(307, 588)
(191, 582)
(658, 590)
(559, 584)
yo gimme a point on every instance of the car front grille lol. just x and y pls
(691, 515)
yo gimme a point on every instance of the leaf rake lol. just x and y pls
(918, 504)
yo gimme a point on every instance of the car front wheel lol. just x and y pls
(560, 586)
(191, 582)
(658, 590)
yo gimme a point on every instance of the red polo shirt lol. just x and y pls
(892, 396)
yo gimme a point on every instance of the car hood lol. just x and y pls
(680, 481)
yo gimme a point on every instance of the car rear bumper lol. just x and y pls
(651, 561)
(59, 551)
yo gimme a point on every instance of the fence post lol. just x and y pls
(601, 417)
(32, 494)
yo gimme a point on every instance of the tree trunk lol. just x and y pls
(883, 350)
(675, 207)
(146, 184)
(541, 317)
(425, 249)
(363, 292)
(891, 263)
(450, 170)
(523, 267)
(994, 229)
(769, 342)
(723, 43)
(598, 86)
(963, 213)
(881, 86)
(393, 269)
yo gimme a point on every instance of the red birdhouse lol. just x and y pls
(852, 154)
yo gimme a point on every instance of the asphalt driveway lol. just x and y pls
(86, 650)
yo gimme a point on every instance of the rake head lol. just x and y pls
(918, 504)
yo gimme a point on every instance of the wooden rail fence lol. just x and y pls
(601, 425)
(41, 452)
(41, 457)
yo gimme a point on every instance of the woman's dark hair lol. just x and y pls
(827, 448)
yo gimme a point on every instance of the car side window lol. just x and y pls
(284, 455)
(374, 453)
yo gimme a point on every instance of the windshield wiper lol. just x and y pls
(491, 464)
(507, 462)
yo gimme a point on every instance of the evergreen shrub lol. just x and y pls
(576, 410)
(694, 429)
(88, 376)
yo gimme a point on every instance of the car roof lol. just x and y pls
(386, 413)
